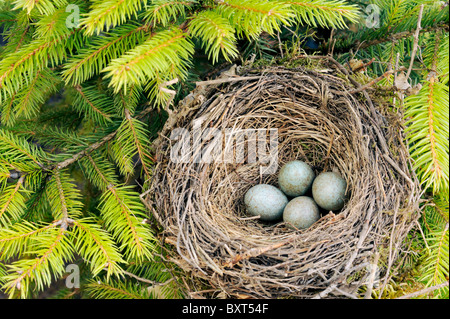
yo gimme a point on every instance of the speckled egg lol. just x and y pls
(301, 212)
(295, 178)
(328, 190)
(265, 200)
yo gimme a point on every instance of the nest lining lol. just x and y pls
(200, 205)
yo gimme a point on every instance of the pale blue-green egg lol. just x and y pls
(265, 200)
(301, 212)
(295, 178)
(328, 190)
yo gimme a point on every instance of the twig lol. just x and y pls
(219, 81)
(423, 291)
(364, 65)
(326, 292)
(398, 36)
(416, 41)
(346, 294)
(16, 189)
(86, 151)
(397, 61)
(374, 81)
(423, 235)
(325, 168)
(93, 146)
(372, 276)
(147, 281)
(398, 169)
(336, 63)
(391, 250)
(163, 87)
(364, 233)
(279, 45)
(88, 101)
(254, 252)
(330, 43)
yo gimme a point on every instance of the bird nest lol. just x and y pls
(317, 116)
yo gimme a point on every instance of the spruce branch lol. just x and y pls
(217, 35)
(97, 247)
(123, 214)
(140, 139)
(45, 7)
(147, 281)
(85, 152)
(16, 68)
(250, 18)
(427, 117)
(12, 203)
(16, 238)
(19, 151)
(21, 39)
(94, 146)
(90, 61)
(96, 105)
(109, 13)
(163, 12)
(116, 290)
(25, 102)
(442, 26)
(100, 171)
(435, 265)
(129, 100)
(52, 26)
(64, 197)
(165, 51)
(54, 248)
(331, 14)
(398, 21)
